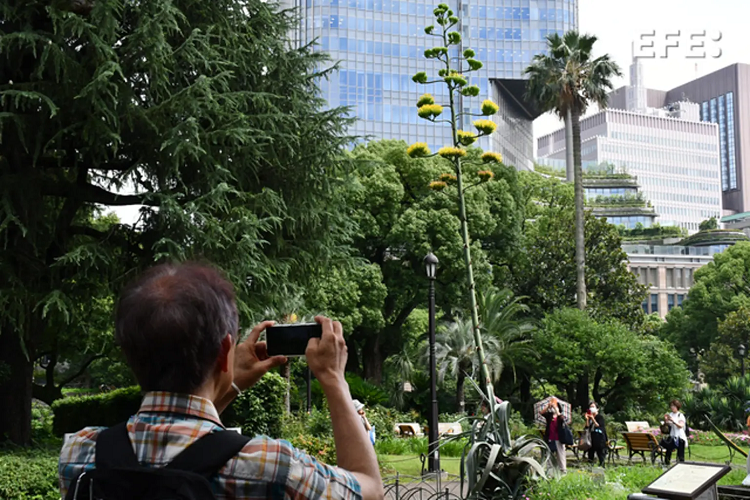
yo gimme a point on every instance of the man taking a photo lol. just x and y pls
(178, 326)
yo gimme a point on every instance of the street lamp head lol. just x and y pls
(741, 350)
(430, 264)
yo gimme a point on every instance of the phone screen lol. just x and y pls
(291, 340)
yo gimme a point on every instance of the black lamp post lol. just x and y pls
(741, 351)
(433, 464)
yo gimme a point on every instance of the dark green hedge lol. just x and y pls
(105, 410)
(258, 411)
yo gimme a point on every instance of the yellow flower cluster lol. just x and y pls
(425, 100)
(466, 138)
(418, 150)
(448, 178)
(489, 108)
(438, 185)
(490, 157)
(485, 175)
(485, 127)
(450, 152)
(430, 111)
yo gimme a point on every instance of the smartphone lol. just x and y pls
(291, 340)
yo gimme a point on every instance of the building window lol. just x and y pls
(732, 163)
(688, 278)
(680, 298)
(653, 277)
(654, 303)
(670, 302)
(704, 111)
(723, 145)
(645, 306)
(670, 278)
(678, 278)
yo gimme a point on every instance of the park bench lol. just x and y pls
(408, 429)
(642, 443)
(453, 428)
(613, 451)
(637, 426)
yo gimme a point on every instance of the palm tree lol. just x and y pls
(566, 81)
(505, 335)
(506, 321)
(456, 353)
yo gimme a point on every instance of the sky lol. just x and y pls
(618, 23)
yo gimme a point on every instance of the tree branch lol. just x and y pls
(83, 368)
(89, 193)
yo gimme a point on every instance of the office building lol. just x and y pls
(673, 155)
(723, 98)
(380, 46)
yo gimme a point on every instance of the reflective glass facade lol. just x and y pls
(723, 115)
(380, 45)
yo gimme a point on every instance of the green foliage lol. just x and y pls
(418, 446)
(544, 271)
(259, 410)
(626, 200)
(626, 372)
(29, 474)
(725, 404)
(655, 231)
(400, 220)
(103, 410)
(711, 223)
(226, 144)
(720, 288)
(322, 449)
(366, 392)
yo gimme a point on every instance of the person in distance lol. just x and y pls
(178, 327)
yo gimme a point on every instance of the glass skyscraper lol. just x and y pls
(380, 45)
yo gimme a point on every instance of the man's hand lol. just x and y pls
(327, 355)
(251, 359)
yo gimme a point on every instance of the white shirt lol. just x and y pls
(678, 432)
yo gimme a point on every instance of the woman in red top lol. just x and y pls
(552, 433)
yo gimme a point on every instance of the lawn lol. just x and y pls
(410, 465)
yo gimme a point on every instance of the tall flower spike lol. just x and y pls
(492, 157)
(425, 99)
(485, 175)
(485, 127)
(448, 178)
(418, 150)
(438, 185)
(466, 138)
(451, 152)
(489, 108)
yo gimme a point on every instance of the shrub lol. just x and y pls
(29, 474)
(102, 410)
(322, 449)
(259, 410)
(41, 421)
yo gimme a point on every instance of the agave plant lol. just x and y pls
(496, 466)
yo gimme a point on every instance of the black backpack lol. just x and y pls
(118, 476)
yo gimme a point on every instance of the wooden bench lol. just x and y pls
(613, 451)
(642, 443)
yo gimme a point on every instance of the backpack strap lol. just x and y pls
(113, 448)
(210, 453)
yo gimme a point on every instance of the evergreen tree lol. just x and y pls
(202, 113)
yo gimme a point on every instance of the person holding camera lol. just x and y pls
(553, 433)
(178, 327)
(595, 425)
(677, 437)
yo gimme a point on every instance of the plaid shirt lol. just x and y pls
(168, 423)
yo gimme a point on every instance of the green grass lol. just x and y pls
(412, 466)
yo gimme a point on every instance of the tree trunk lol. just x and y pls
(579, 219)
(569, 161)
(286, 372)
(582, 393)
(527, 404)
(16, 371)
(372, 360)
(352, 360)
(460, 399)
